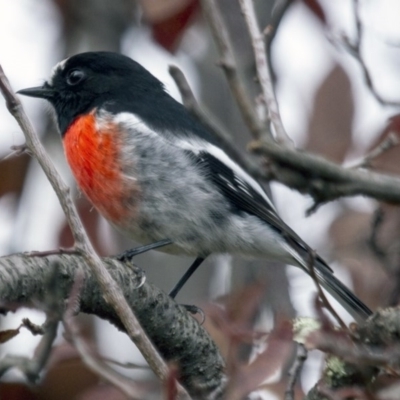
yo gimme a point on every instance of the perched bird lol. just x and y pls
(156, 173)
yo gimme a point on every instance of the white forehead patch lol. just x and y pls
(58, 67)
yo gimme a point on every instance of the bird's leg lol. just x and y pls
(127, 255)
(197, 262)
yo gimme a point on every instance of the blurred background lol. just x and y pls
(326, 108)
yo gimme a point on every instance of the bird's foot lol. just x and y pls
(195, 310)
(129, 254)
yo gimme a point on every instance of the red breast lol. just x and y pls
(93, 153)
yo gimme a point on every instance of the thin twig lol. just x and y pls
(16, 150)
(327, 393)
(229, 66)
(349, 392)
(321, 293)
(295, 371)
(193, 106)
(33, 328)
(390, 141)
(47, 253)
(110, 289)
(278, 12)
(263, 72)
(31, 367)
(354, 49)
(376, 223)
(90, 359)
(322, 179)
(127, 365)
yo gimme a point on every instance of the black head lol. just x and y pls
(97, 79)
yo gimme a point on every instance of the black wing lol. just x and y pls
(244, 197)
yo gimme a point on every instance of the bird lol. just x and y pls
(158, 175)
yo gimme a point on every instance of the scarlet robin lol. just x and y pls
(156, 173)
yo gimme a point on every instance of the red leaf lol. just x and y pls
(171, 389)
(316, 9)
(17, 391)
(8, 334)
(266, 364)
(167, 32)
(387, 160)
(235, 318)
(393, 124)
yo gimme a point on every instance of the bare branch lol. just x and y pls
(31, 367)
(355, 358)
(127, 365)
(176, 334)
(391, 141)
(263, 72)
(376, 223)
(324, 180)
(342, 394)
(321, 293)
(90, 359)
(16, 151)
(280, 8)
(33, 328)
(110, 289)
(342, 346)
(296, 370)
(354, 49)
(229, 66)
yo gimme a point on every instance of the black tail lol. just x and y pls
(352, 304)
(349, 301)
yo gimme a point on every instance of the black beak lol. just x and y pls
(41, 92)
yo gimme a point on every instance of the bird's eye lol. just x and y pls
(75, 76)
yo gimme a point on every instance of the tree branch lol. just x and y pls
(324, 180)
(295, 371)
(229, 66)
(354, 49)
(307, 173)
(88, 356)
(263, 72)
(178, 337)
(111, 292)
(32, 367)
(391, 141)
